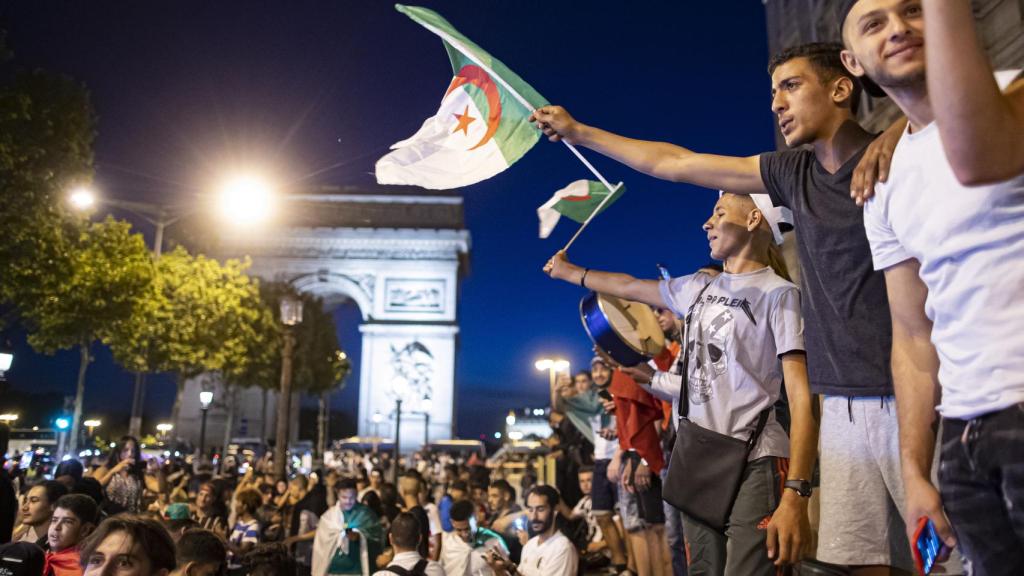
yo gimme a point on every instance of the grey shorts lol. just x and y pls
(861, 486)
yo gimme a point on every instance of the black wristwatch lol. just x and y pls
(801, 487)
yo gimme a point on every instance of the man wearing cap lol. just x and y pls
(587, 412)
(843, 300)
(948, 230)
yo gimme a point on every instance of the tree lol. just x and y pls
(198, 316)
(319, 365)
(95, 282)
(47, 127)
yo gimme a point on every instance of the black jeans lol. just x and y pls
(981, 478)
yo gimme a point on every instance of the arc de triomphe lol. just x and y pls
(397, 253)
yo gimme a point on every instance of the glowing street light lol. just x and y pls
(92, 425)
(246, 199)
(8, 418)
(205, 399)
(82, 198)
(553, 366)
(163, 428)
(511, 418)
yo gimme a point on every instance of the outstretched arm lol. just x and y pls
(659, 159)
(621, 285)
(982, 128)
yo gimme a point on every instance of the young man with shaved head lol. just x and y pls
(948, 230)
(844, 306)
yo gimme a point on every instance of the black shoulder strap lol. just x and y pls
(684, 396)
(396, 569)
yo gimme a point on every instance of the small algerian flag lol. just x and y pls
(481, 127)
(576, 201)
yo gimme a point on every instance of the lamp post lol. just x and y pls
(205, 399)
(427, 405)
(6, 359)
(398, 435)
(553, 366)
(92, 425)
(291, 315)
(163, 428)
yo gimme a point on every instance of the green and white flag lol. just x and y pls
(481, 127)
(577, 201)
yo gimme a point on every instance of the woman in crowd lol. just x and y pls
(124, 478)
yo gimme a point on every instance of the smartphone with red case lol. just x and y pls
(928, 546)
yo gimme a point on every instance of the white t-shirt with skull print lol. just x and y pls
(738, 330)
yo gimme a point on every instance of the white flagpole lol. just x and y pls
(455, 43)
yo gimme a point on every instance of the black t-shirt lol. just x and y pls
(848, 331)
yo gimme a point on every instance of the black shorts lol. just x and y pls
(602, 492)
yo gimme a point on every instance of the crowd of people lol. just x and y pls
(445, 515)
(906, 322)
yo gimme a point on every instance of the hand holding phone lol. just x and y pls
(928, 547)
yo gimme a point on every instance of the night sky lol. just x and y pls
(314, 93)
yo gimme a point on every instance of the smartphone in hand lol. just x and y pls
(928, 547)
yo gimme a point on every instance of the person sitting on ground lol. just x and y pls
(37, 511)
(595, 545)
(128, 544)
(200, 553)
(74, 517)
(405, 537)
(347, 537)
(464, 548)
(548, 552)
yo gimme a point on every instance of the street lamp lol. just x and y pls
(511, 418)
(291, 315)
(163, 428)
(245, 199)
(82, 198)
(92, 425)
(205, 399)
(553, 366)
(6, 359)
(248, 202)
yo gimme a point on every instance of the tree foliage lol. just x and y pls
(319, 363)
(198, 316)
(106, 271)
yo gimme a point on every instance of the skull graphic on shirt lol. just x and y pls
(707, 350)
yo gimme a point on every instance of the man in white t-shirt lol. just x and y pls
(948, 229)
(548, 552)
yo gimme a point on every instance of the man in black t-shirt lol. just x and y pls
(844, 304)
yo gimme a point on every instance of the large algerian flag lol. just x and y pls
(481, 127)
(576, 201)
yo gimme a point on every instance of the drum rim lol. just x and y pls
(600, 304)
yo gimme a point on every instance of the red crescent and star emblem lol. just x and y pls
(475, 75)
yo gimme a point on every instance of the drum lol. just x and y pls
(627, 331)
